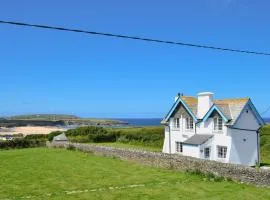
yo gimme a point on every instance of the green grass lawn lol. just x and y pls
(42, 173)
(130, 146)
(265, 145)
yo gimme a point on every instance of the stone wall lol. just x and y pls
(177, 162)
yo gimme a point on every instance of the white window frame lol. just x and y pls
(209, 152)
(176, 123)
(222, 151)
(189, 124)
(218, 124)
(179, 147)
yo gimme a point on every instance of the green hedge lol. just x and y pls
(21, 143)
(91, 134)
(151, 136)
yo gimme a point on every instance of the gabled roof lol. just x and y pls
(254, 110)
(189, 103)
(198, 139)
(229, 109)
(217, 109)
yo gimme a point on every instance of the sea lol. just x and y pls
(153, 121)
(141, 121)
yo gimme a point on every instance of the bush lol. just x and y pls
(150, 136)
(21, 143)
(71, 147)
(104, 137)
(36, 137)
(92, 134)
(145, 136)
(87, 130)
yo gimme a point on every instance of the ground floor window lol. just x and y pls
(207, 152)
(221, 151)
(179, 147)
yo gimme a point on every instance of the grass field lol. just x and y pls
(130, 146)
(265, 145)
(61, 174)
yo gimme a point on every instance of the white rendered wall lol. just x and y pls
(241, 144)
(205, 101)
(191, 150)
(247, 120)
(243, 147)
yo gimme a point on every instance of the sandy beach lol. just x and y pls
(28, 130)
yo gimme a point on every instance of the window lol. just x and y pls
(218, 124)
(221, 151)
(176, 123)
(189, 123)
(207, 152)
(179, 147)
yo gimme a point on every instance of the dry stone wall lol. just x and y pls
(177, 162)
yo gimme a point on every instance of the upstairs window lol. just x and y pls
(189, 123)
(218, 124)
(176, 123)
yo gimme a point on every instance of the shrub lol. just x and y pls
(36, 137)
(71, 147)
(105, 137)
(21, 143)
(146, 136)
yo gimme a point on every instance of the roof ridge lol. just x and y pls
(244, 98)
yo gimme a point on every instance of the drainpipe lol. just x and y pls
(170, 147)
(258, 147)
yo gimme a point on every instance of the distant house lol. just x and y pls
(225, 130)
(6, 137)
(60, 138)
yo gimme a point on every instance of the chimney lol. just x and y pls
(177, 96)
(205, 101)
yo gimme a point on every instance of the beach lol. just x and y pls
(29, 130)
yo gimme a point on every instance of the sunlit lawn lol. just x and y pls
(61, 174)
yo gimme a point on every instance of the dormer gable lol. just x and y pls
(215, 111)
(182, 105)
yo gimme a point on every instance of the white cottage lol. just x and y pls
(225, 130)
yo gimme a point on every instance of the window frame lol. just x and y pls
(222, 151)
(189, 123)
(179, 147)
(176, 123)
(209, 152)
(218, 124)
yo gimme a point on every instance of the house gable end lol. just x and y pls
(179, 107)
(214, 110)
(249, 118)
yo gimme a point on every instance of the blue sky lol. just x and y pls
(45, 71)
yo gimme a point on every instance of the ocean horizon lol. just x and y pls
(153, 121)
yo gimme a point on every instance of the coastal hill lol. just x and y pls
(53, 120)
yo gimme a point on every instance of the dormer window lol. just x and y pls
(189, 123)
(176, 123)
(218, 124)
